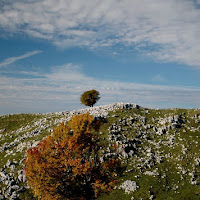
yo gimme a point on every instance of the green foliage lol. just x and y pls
(89, 98)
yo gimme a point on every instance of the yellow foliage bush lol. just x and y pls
(67, 166)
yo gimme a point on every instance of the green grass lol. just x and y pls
(16, 121)
(161, 187)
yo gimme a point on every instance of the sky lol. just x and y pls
(138, 51)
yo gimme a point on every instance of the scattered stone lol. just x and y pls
(150, 144)
(129, 186)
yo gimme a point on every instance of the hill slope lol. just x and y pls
(160, 148)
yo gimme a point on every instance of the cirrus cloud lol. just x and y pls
(167, 31)
(11, 60)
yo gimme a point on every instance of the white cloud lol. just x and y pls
(159, 78)
(14, 59)
(38, 34)
(61, 89)
(170, 29)
(68, 73)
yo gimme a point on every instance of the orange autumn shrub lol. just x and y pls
(67, 164)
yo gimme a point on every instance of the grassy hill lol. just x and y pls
(161, 149)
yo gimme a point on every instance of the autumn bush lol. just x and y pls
(70, 163)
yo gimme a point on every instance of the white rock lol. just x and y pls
(129, 186)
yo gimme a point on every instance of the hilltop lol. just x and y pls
(159, 146)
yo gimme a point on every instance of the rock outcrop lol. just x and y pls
(152, 143)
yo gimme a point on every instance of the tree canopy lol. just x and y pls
(70, 164)
(90, 97)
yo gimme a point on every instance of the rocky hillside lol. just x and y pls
(160, 149)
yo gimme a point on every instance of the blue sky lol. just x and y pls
(138, 51)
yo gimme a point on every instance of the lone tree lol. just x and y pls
(71, 164)
(89, 98)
